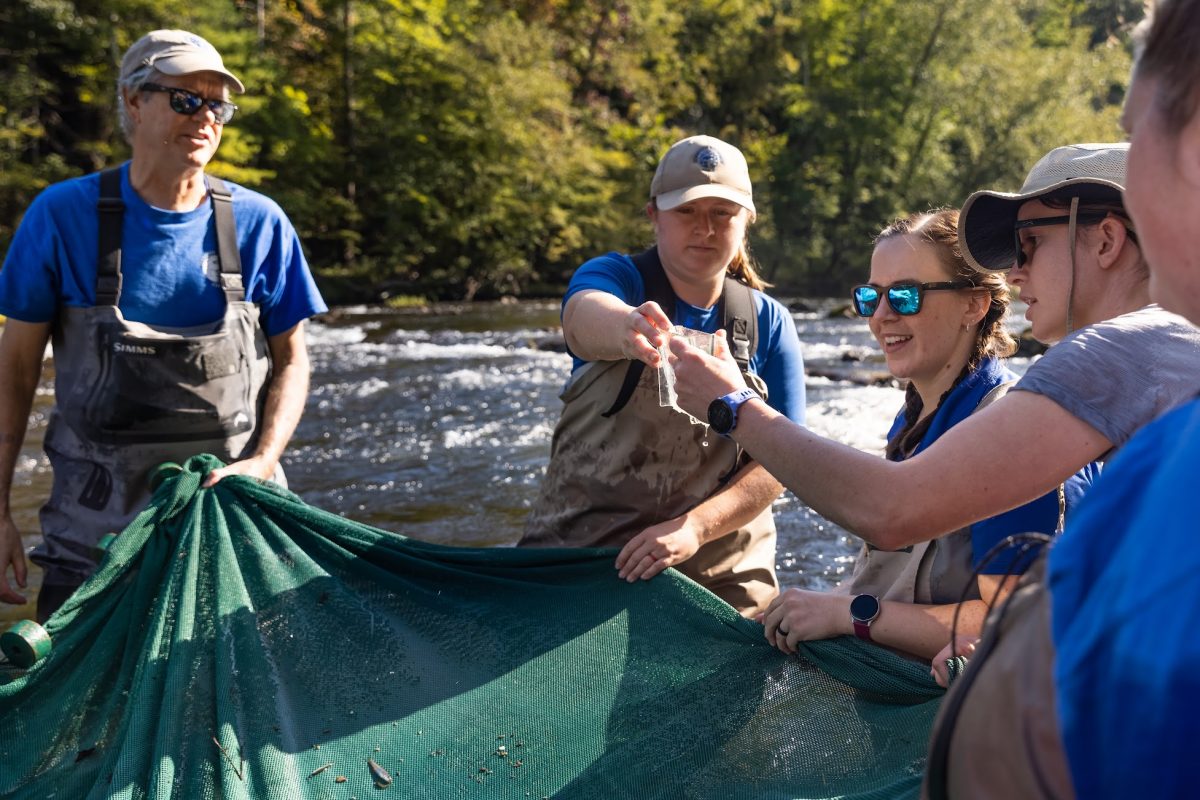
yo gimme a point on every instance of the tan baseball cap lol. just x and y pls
(701, 166)
(176, 53)
(1094, 172)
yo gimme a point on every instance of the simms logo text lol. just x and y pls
(137, 349)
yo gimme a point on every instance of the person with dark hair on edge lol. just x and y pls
(941, 325)
(1086, 684)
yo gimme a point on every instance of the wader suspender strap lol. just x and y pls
(738, 314)
(226, 232)
(937, 768)
(111, 211)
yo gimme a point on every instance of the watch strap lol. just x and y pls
(733, 401)
(736, 398)
(722, 412)
(862, 630)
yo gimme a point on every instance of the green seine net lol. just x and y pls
(238, 643)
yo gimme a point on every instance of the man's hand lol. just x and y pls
(799, 615)
(11, 553)
(701, 378)
(259, 467)
(656, 548)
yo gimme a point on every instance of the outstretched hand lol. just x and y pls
(656, 548)
(647, 328)
(701, 378)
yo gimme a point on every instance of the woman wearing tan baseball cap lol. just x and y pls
(629, 472)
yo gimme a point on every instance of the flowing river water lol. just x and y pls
(436, 424)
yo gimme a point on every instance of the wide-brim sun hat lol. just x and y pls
(701, 166)
(174, 52)
(1092, 172)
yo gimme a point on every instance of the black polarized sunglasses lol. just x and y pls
(904, 297)
(188, 103)
(1081, 218)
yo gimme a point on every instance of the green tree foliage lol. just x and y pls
(459, 148)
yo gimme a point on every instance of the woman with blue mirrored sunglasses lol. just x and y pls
(904, 296)
(950, 356)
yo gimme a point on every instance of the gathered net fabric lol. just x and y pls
(235, 640)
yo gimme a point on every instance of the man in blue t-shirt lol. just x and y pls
(176, 305)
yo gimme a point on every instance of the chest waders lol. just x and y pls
(936, 572)
(618, 466)
(129, 396)
(997, 732)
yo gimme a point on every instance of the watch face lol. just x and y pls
(720, 416)
(864, 608)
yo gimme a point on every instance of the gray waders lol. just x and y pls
(129, 396)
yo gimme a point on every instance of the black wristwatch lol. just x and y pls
(863, 611)
(722, 412)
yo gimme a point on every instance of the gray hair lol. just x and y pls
(145, 73)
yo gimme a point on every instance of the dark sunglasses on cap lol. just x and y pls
(904, 297)
(1084, 217)
(188, 103)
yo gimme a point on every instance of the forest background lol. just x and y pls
(458, 149)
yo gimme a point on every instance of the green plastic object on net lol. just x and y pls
(25, 644)
(242, 644)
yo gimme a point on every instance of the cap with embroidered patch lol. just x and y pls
(701, 166)
(173, 52)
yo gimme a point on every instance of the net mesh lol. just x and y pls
(235, 640)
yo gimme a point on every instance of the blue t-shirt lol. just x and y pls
(1036, 516)
(777, 359)
(1125, 610)
(52, 260)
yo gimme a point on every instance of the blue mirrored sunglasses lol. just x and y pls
(904, 297)
(188, 103)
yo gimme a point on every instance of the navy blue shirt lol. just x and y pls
(1036, 516)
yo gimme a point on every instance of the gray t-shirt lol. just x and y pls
(1120, 374)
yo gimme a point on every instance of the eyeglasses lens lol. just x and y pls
(185, 103)
(188, 103)
(905, 300)
(866, 300)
